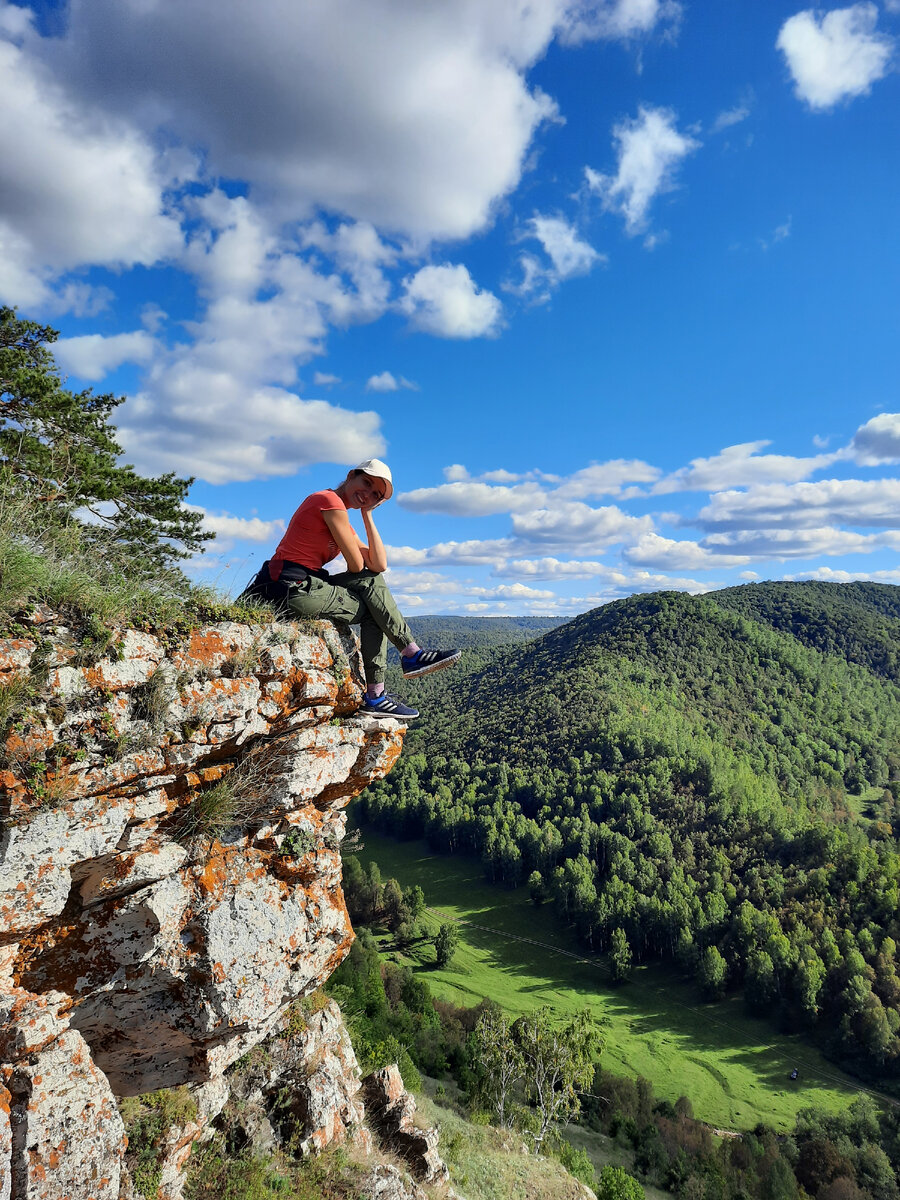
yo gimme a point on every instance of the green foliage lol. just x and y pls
(445, 943)
(217, 1171)
(688, 784)
(498, 1063)
(614, 1183)
(558, 1057)
(148, 1120)
(58, 452)
(620, 956)
(211, 811)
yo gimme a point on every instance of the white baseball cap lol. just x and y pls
(378, 470)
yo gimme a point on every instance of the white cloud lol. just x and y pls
(615, 577)
(386, 382)
(616, 19)
(606, 479)
(230, 529)
(780, 234)
(79, 186)
(650, 149)
(323, 379)
(800, 543)
(805, 505)
(571, 524)
(430, 583)
(667, 554)
(202, 422)
(830, 575)
(511, 591)
(835, 55)
(487, 552)
(445, 301)
(224, 406)
(93, 356)
(878, 441)
(472, 499)
(455, 473)
(738, 466)
(569, 254)
(442, 116)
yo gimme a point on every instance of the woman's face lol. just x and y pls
(363, 491)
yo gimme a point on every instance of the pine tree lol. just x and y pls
(59, 459)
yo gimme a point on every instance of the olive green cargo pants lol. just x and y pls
(360, 598)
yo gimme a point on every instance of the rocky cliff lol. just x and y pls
(170, 881)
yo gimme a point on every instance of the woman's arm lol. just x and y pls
(345, 535)
(375, 553)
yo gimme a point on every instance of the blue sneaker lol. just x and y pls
(423, 662)
(387, 705)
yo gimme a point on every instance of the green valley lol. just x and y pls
(699, 788)
(734, 1068)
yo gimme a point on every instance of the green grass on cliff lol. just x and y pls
(97, 591)
(733, 1068)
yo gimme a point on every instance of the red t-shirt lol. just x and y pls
(308, 539)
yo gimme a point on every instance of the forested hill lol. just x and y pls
(687, 781)
(481, 632)
(857, 621)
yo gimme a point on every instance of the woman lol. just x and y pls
(295, 582)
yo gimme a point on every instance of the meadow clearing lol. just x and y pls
(733, 1067)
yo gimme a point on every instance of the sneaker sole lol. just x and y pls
(362, 712)
(438, 666)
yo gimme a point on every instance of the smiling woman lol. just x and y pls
(294, 580)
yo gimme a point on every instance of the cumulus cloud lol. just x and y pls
(804, 505)
(468, 498)
(430, 583)
(199, 422)
(667, 554)
(606, 479)
(79, 186)
(554, 568)
(223, 406)
(800, 543)
(650, 150)
(442, 115)
(476, 552)
(831, 575)
(93, 356)
(878, 441)
(386, 382)
(511, 591)
(835, 55)
(738, 466)
(324, 379)
(230, 529)
(571, 524)
(445, 300)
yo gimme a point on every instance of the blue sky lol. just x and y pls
(611, 284)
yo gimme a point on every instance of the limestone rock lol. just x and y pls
(306, 1087)
(170, 882)
(391, 1110)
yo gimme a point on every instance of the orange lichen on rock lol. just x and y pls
(143, 953)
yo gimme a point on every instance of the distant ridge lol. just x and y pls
(481, 632)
